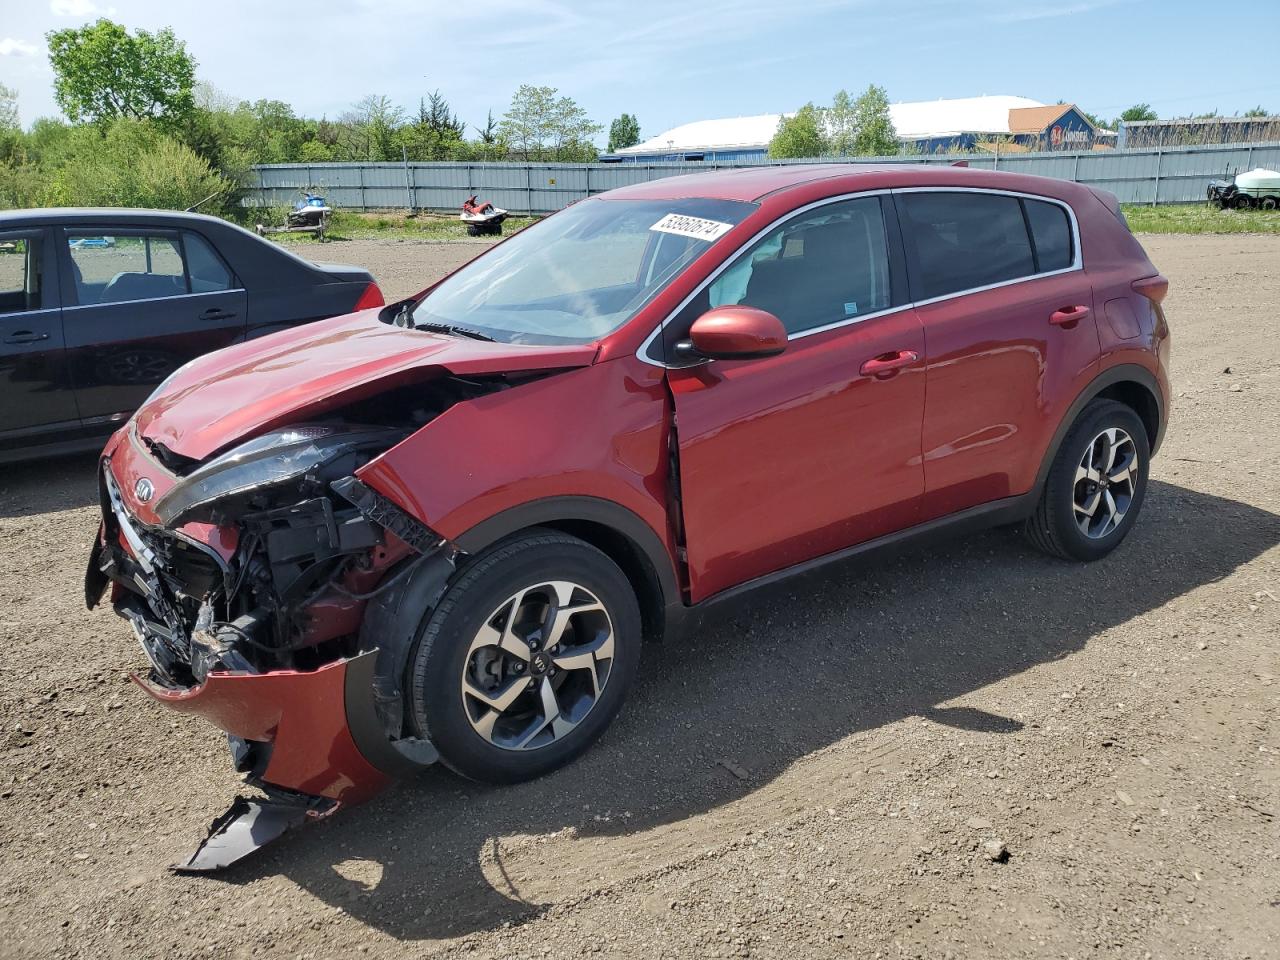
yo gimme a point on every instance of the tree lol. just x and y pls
(539, 125)
(1139, 112)
(369, 130)
(8, 109)
(102, 72)
(799, 135)
(624, 132)
(437, 133)
(1258, 111)
(841, 124)
(875, 135)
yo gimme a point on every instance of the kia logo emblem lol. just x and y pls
(143, 490)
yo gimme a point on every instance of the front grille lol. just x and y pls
(186, 569)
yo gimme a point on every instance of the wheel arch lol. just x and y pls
(1128, 383)
(609, 527)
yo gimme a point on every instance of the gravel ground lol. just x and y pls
(829, 772)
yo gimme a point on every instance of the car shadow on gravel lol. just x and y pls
(45, 486)
(795, 669)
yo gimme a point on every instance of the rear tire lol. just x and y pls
(526, 659)
(1095, 487)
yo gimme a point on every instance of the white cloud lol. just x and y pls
(78, 8)
(16, 48)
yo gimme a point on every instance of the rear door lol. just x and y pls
(1007, 311)
(788, 458)
(140, 304)
(36, 400)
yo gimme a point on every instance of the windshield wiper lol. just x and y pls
(450, 328)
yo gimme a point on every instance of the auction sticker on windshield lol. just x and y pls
(694, 227)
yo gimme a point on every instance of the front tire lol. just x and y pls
(527, 658)
(1096, 485)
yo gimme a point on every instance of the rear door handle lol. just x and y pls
(26, 336)
(217, 313)
(889, 362)
(1068, 315)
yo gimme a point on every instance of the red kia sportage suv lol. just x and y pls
(441, 529)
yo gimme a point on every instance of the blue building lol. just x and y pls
(928, 126)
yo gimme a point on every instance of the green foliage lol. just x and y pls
(624, 132)
(101, 72)
(1258, 111)
(436, 133)
(539, 125)
(1199, 218)
(126, 163)
(850, 127)
(800, 135)
(1139, 112)
(134, 165)
(841, 124)
(874, 133)
(8, 109)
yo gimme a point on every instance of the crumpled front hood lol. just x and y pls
(300, 374)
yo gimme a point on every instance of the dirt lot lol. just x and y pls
(815, 777)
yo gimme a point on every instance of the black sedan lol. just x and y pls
(98, 306)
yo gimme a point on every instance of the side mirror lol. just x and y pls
(734, 333)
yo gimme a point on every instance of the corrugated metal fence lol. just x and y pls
(1169, 175)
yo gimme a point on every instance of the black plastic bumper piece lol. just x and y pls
(249, 825)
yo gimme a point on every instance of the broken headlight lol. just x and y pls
(274, 458)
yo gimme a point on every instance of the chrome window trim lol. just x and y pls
(176, 296)
(1077, 263)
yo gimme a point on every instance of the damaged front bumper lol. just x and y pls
(314, 722)
(312, 740)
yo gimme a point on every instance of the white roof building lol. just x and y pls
(913, 121)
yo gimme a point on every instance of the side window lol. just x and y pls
(116, 269)
(966, 240)
(1051, 231)
(19, 274)
(824, 267)
(208, 273)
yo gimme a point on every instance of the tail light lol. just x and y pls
(1153, 288)
(372, 297)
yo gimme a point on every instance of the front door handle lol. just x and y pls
(887, 363)
(1068, 316)
(217, 313)
(26, 336)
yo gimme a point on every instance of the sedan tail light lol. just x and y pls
(1153, 288)
(372, 297)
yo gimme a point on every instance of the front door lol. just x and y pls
(145, 302)
(788, 458)
(36, 401)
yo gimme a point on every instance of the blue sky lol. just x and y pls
(674, 61)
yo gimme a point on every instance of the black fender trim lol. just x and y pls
(592, 510)
(1122, 373)
(396, 758)
(389, 630)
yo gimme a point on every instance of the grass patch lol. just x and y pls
(351, 225)
(1199, 218)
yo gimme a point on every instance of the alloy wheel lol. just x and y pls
(538, 665)
(1105, 482)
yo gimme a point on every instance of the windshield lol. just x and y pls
(580, 274)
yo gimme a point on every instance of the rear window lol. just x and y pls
(967, 240)
(1051, 231)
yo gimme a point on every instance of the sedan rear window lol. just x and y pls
(582, 273)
